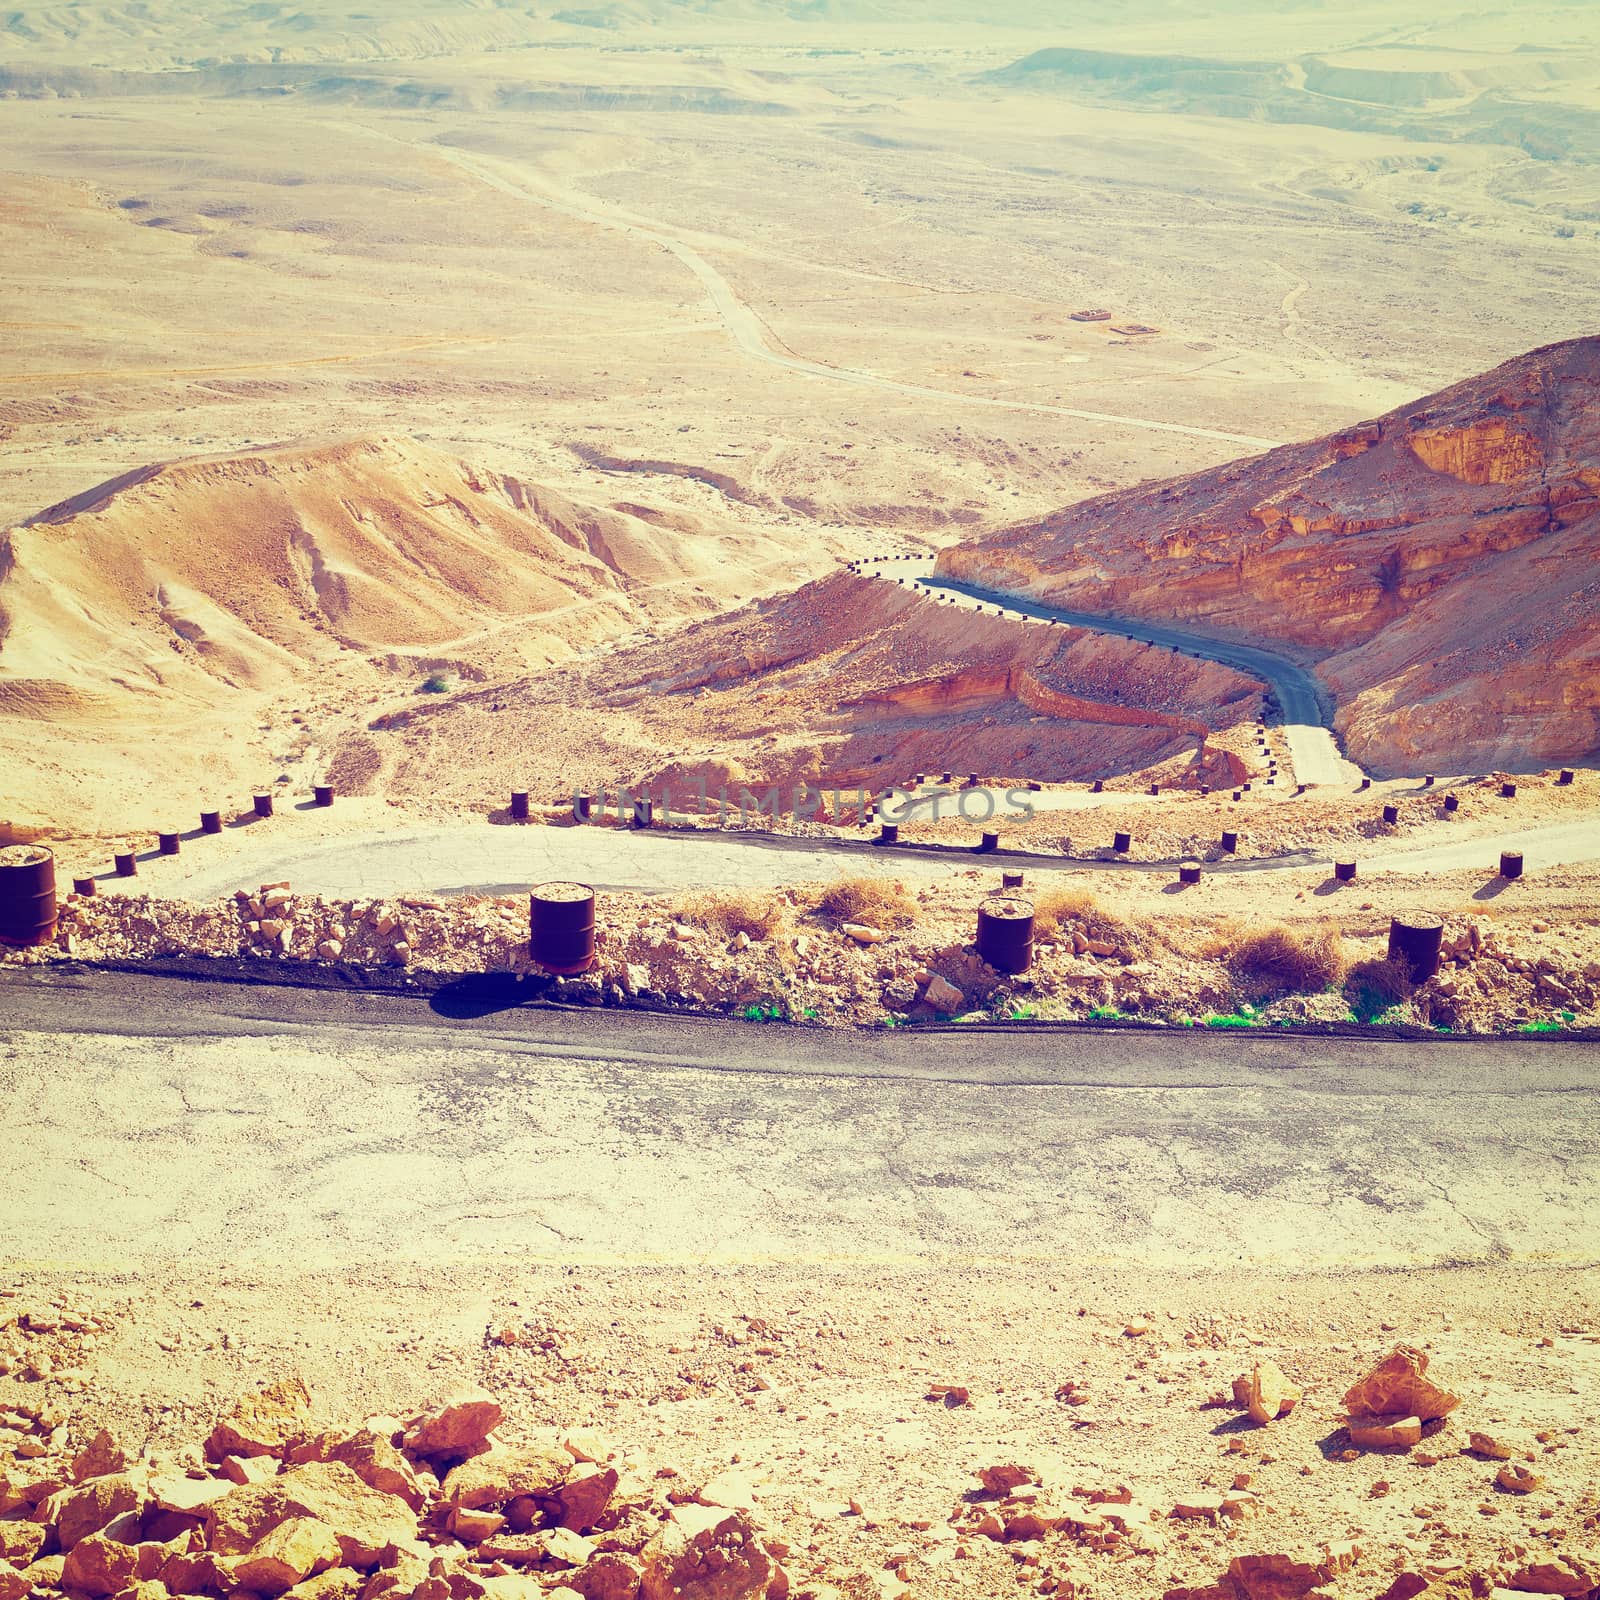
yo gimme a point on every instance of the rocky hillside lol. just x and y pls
(1438, 565)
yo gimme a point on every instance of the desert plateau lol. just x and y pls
(799, 800)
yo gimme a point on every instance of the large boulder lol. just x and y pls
(371, 1456)
(365, 1520)
(1397, 1387)
(21, 1542)
(102, 1565)
(14, 1585)
(76, 1513)
(707, 1553)
(263, 1424)
(461, 1426)
(501, 1475)
(296, 1549)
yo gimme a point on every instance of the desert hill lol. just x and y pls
(846, 681)
(201, 589)
(1438, 564)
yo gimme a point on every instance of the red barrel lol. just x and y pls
(27, 894)
(127, 864)
(561, 927)
(211, 822)
(1005, 932)
(83, 886)
(263, 805)
(322, 794)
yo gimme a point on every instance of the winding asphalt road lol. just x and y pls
(1316, 757)
(152, 1119)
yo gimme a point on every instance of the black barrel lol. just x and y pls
(1415, 940)
(1005, 932)
(1098, 786)
(1238, 794)
(561, 927)
(1205, 788)
(1508, 791)
(972, 780)
(83, 886)
(1155, 788)
(1451, 802)
(1230, 842)
(988, 844)
(1391, 814)
(889, 833)
(1564, 776)
(1011, 880)
(519, 805)
(1246, 787)
(27, 894)
(945, 778)
(1427, 782)
(1344, 871)
(1366, 783)
(263, 805)
(582, 807)
(1189, 872)
(167, 843)
(126, 863)
(322, 794)
(1122, 842)
(1510, 863)
(211, 822)
(644, 812)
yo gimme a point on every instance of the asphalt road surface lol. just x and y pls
(150, 1119)
(1315, 756)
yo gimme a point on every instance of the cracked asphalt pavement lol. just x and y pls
(153, 1120)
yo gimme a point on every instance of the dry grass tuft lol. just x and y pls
(1378, 983)
(760, 913)
(1300, 960)
(1067, 906)
(878, 902)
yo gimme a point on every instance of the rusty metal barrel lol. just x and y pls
(126, 863)
(1344, 871)
(1005, 932)
(582, 807)
(1098, 786)
(519, 805)
(1452, 802)
(988, 844)
(1122, 842)
(1391, 814)
(1011, 880)
(972, 780)
(1155, 788)
(1366, 783)
(167, 843)
(945, 777)
(1246, 787)
(1230, 841)
(1564, 776)
(211, 822)
(1508, 791)
(263, 805)
(1510, 863)
(561, 927)
(1189, 872)
(1428, 781)
(644, 812)
(322, 794)
(27, 894)
(1415, 940)
(83, 886)
(1238, 794)
(889, 833)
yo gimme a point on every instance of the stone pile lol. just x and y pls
(432, 1507)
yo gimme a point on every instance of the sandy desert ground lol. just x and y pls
(454, 399)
